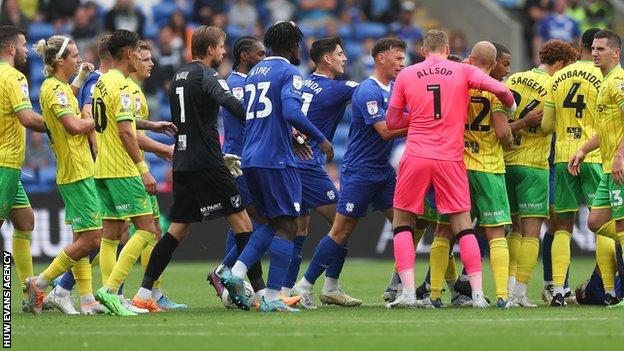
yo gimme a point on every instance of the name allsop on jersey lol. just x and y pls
(431, 71)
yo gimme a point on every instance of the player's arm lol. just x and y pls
(396, 119)
(75, 126)
(159, 149)
(386, 134)
(83, 73)
(291, 110)
(502, 129)
(216, 89)
(163, 127)
(548, 120)
(532, 119)
(31, 120)
(574, 165)
(87, 113)
(479, 80)
(131, 145)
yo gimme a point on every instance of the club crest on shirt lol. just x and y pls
(331, 195)
(24, 87)
(223, 84)
(238, 93)
(137, 103)
(126, 102)
(620, 85)
(297, 82)
(350, 206)
(236, 201)
(372, 107)
(61, 97)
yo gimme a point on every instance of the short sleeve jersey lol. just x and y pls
(72, 152)
(610, 119)
(112, 104)
(574, 98)
(233, 128)
(14, 98)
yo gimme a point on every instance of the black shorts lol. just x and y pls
(209, 194)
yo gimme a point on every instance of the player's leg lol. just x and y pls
(514, 238)
(551, 226)
(23, 220)
(606, 262)
(438, 260)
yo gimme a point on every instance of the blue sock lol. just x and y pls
(119, 248)
(295, 262)
(325, 251)
(230, 243)
(547, 258)
(428, 277)
(335, 267)
(280, 251)
(67, 280)
(256, 247)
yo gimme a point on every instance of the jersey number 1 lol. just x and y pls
(437, 100)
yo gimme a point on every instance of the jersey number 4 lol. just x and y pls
(254, 109)
(528, 108)
(579, 104)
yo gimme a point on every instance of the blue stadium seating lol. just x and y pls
(40, 30)
(370, 30)
(163, 11)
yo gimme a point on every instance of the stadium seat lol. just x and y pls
(151, 31)
(40, 30)
(163, 11)
(370, 30)
(47, 175)
(353, 49)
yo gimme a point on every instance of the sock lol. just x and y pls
(471, 258)
(144, 294)
(325, 251)
(560, 257)
(108, 257)
(404, 255)
(295, 262)
(128, 257)
(145, 258)
(21, 254)
(286, 291)
(520, 289)
(254, 273)
(160, 258)
(257, 245)
(330, 284)
(67, 280)
(82, 274)
(407, 279)
(514, 240)
(230, 242)
(605, 253)
(608, 230)
(527, 259)
(280, 252)
(438, 260)
(499, 257)
(336, 265)
(156, 293)
(418, 234)
(394, 281)
(451, 269)
(547, 244)
(271, 294)
(230, 258)
(62, 292)
(61, 264)
(428, 276)
(87, 299)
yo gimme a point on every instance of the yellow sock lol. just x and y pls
(499, 257)
(514, 240)
(451, 269)
(82, 275)
(438, 260)
(527, 259)
(127, 258)
(418, 234)
(608, 230)
(61, 264)
(560, 254)
(21, 254)
(108, 257)
(145, 257)
(605, 257)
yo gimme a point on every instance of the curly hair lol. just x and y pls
(557, 50)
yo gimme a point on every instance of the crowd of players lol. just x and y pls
(476, 148)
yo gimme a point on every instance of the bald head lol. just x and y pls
(483, 55)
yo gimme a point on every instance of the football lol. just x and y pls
(227, 302)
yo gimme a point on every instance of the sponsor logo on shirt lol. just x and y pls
(61, 97)
(181, 142)
(236, 201)
(297, 206)
(372, 107)
(206, 210)
(122, 207)
(297, 82)
(238, 93)
(351, 84)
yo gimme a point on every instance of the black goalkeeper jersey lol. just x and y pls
(195, 94)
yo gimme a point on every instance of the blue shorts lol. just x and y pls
(316, 188)
(274, 192)
(359, 189)
(243, 189)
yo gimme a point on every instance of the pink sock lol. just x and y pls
(471, 258)
(404, 255)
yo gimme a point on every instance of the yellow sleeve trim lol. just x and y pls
(128, 117)
(499, 109)
(622, 104)
(23, 106)
(64, 113)
(549, 104)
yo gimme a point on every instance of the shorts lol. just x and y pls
(155, 206)
(527, 189)
(609, 194)
(275, 192)
(362, 188)
(82, 205)
(209, 194)
(12, 193)
(123, 198)
(489, 198)
(243, 189)
(418, 174)
(316, 188)
(570, 190)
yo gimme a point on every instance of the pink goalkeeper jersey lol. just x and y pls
(436, 93)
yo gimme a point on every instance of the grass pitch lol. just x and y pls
(207, 325)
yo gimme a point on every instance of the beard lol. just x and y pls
(20, 61)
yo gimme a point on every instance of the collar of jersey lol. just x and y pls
(240, 74)
(381, 85)
(537, 70)
(117, 72)
(3, 62)
(585, 61)
(320, 75)
(611, 70)
(276, 58)
(58, 80)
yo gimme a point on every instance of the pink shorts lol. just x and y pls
(416, 176)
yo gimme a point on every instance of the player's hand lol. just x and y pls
(533, 118)
(328, 149)
(164, 127)
(617, 169)
(574, 166)
(300, 138)
(233, 163)
(150, 183)
(87, 67)
(167, 155)
(302, 150)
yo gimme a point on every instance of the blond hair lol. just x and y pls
(435, 40)
(49, 51)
